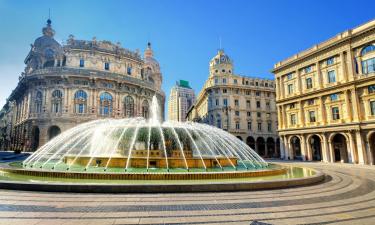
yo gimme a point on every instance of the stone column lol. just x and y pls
(331, 152)
(278, 92)
(302, 114)
(355, 106)
(320, 78)
(275, 150)
(348, 106)
(351, 150)
(350, 65)
(360, 148)
(286, 150)
(285, 119)
(359, 63)
(322, 111)
(282, 148)
(304, 148)
(325, 148)
(342, 67)
(309, 150)
(299, 83)
(282, 88)
(370, 160)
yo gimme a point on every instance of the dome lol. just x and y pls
(47, 42)
(133, 144)
(220, 58)
(150, 61)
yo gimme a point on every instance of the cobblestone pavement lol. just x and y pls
(346, 197)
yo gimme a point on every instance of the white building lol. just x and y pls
(181, 98)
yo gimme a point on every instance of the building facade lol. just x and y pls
(64, 85)
(243, 106)
(181, 98)
(326, 99)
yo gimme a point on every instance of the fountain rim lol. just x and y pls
(220, 186)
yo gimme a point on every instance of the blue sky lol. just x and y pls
(185, 34)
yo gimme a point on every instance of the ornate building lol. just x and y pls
(243, 106)
(64, 85)
(180, 100)
(326, 99)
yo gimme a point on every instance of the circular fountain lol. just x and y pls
(136, 149)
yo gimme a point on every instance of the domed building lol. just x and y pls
(67, 84)
(244, 106)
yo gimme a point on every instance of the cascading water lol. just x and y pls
(137, 144)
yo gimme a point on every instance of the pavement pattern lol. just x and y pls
(347, 196)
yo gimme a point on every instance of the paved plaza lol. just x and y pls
(346, 197)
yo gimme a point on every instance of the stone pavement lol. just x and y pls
(346, 197)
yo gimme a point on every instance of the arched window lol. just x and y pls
(56, 101)
(367, 49)
(80, 102)
(129, 106)
(368, 62)
(145, 107)
(38, 102)
(105, 104)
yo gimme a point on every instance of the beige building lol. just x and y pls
(326, 99)
(243, 106)
(181, 98)
(64, 85)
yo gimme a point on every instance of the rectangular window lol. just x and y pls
(309, 83)
(256, 84)
(292, 106)
(372, 106)
(307, 69)
(216, 80)
(248, 92)
(248, 114)
(289, 76)
(334, 97)
(236, 102)
(129, 71)
(310, 102)
(237, 91)
(237, 125)
(331, 76)
(268, 115)
(81, 63)
(224, 80)
(224, 91)
(106, 66)
(259, 114)
(259, 126)
(248, 104)
(371, 89)
(269, 127)
(368, 66)
(217, 101)
(293, 119)
(258, 104)
(249, 125)
(290, 88)
(330, 61)
(257, 93)
(216, 91)
(268, 106)
(335, 113)
(235, 81)
(237, 113)
(312, 116)
(225, 102)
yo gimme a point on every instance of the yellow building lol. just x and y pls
(243, 106)
(325, 99)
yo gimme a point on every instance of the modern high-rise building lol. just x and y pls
(326, 99)
(67, 84)
(181, 98)
(243, 106)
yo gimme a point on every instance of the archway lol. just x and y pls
(239, 137)
(296, 147)
(261, 146)
(372, 147)
(35, 138)
(277, 151)
(316, 148)
(250, 142)
(270, 147)
(340, 153)
(53, 132)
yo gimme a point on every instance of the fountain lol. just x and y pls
(133, 144)
(139, 155)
